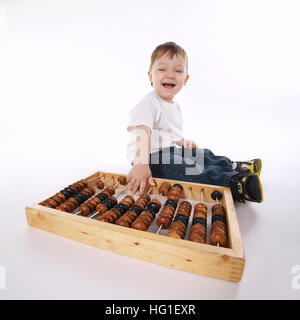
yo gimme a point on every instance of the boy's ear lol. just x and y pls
(186, 79)
(150, 76)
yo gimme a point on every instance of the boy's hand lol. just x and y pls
(138, 177)
(188, 144)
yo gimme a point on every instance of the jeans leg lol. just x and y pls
(218, 168)
(212, 159)
(215, 170)
(167, 164)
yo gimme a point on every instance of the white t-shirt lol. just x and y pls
(163, 119)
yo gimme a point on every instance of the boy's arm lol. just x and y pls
(140, 173)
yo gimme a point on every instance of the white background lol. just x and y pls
(70, 71)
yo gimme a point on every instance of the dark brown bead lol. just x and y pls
(122, 180)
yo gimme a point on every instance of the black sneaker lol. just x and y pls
(246, 186)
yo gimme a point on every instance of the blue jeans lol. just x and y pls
(182, 164)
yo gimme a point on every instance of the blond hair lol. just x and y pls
(168, 47)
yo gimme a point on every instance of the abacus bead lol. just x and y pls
(100, 185)
(52, 203)
(61, 195)
(218, 237)
(174, 234)
(197, 238)
(85, 210)
(122, 180)
(139, 225)
(123, 223)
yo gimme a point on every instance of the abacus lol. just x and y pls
(183, 225)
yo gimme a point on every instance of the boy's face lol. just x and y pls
(168, 76)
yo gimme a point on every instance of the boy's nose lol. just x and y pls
(171, 75)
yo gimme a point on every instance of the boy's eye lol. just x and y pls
(161, 69)
(179, 71)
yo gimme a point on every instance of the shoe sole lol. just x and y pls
(254, 188)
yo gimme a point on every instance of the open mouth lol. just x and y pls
(168, 85)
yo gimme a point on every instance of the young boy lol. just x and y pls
(157, 148)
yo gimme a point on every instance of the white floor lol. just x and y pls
(40, 265)
(63, 116)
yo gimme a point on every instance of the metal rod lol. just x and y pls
(160, 196)
(158, 231)
(93, 215)
(122, 190)
(190, 190)
(116, 184)
(201, 196)
(159, 199)
(105, 181)
(95, 178)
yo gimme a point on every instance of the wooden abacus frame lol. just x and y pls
(224, 263)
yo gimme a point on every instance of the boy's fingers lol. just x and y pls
(131, 184)
(142, 187)
(151, 181)
(135, 186)
(129, 177)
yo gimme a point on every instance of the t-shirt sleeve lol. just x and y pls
(142, 114)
